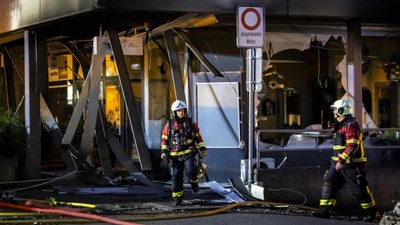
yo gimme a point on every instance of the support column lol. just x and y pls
(32, 107)
(354, 70)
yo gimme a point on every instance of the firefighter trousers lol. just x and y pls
(181, 165)
(352, 175)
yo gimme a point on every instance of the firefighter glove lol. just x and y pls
(203, 153)
(165, 163)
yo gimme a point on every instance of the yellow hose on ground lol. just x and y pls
(52, 202)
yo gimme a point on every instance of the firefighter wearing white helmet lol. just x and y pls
(179, 143)
(341, 108)
(177, 106)
(347, 164)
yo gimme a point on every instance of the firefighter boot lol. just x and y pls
(177, 201)
(323, 212)
(195, 187)
(370, 215)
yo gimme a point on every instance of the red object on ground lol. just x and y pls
(68, 213)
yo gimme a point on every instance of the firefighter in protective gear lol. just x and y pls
(347, 164)
(180, 140)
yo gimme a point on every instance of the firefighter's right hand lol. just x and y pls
(338, 166)
(165, 163)
(203, 153)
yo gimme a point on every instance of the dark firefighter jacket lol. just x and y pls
(181, 138)
(347, 142)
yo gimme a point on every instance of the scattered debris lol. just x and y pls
(230, 195)
(391, 217)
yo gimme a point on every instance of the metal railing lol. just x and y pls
(317, 133)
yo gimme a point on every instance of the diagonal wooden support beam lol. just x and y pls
(92, 108)
(130, 102)
(174, 65)
(197, 53)
(76, 114)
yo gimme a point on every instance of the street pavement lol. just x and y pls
(255, 219)
(148, 206)
(160, 206)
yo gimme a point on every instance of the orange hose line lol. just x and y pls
(68, 213)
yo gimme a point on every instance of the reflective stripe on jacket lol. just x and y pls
(182, 138)
(347, 142)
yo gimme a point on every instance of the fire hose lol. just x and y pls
(158, 217)
(67, 213)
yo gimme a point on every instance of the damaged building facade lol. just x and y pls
(93, 82)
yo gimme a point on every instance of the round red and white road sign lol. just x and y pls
(251, 18)
(250, 27)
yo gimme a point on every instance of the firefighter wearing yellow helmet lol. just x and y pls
(347, 164)
(179, 142)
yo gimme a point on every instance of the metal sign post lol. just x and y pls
(253, 84)
(251, 35)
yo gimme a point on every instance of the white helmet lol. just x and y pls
(342, 107)
(178, 104)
